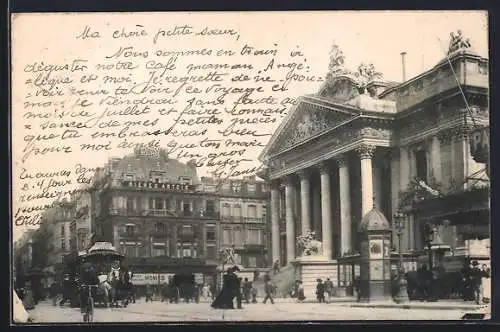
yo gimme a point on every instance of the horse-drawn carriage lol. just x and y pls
(114, 279)
(180, 287)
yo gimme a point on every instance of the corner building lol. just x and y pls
(157, 212)
(390, 146)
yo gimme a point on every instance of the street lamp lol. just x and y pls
(399, 226)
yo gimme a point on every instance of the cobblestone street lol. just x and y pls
(282, 310)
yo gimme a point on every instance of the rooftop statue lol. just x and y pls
(458, 42)
(364, 73)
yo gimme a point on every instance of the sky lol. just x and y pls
(377, 37)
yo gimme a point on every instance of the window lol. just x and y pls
(130, 251)
(158, 250)
(151, 203)
(130, 204)
(63, 230)
(186, 208)
(63, 244)
(158, 203)
(252, 261)
(263, 187)
(160, 227)
(130, 230)
(237, 211)
(226, 186)
(187, 252)
(226, 236)
(187, 231)
(210, 233)
(211, 252)
(251, 187)
(238, 236)
(226, 210)
(254, 236)
(252, 211)
(421, 161)
(236, 187)
(210, 207)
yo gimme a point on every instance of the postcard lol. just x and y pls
(249, 166)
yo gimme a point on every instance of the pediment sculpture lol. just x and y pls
(309, 245)
(307, 122)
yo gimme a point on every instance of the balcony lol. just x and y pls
(164, 213)
(234, 219)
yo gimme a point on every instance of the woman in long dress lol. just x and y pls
(224, 299)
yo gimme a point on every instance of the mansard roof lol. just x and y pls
(143, 165)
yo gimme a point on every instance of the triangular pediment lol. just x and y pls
(307, 121)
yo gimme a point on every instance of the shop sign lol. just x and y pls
(480, 145)
(150, 278)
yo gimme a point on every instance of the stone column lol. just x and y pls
(366, 153)
(326, 210)
(275, 227)
(395, 189)
(345, 205)
(435, 154)
(305, 195)
(290, 224)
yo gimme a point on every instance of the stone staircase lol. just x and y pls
(283, 281)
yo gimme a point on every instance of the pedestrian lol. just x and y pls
(29, 301)
(254, 294)
(149, 293)
(268, 288)
(247, 288)
(320, 291)
(238, 293)
(67, 289)
(54, 292)
(256, 275)
(477, 276)
(328, 290)
(276, 267)
(300, 291)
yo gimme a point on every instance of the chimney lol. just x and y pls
(403, 61)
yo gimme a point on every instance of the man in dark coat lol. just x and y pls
(247, 288)
(88, 277)
(320, 291)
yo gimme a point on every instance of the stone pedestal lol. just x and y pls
(310, 268)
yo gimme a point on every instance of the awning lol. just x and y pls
(474, 203)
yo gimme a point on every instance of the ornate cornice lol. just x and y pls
(366, 151)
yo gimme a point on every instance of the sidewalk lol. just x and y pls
(352, 302)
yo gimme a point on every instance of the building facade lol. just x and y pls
(157, 212)
(244, 220)
(398, 147)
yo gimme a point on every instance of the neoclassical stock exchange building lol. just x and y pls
(348, 159)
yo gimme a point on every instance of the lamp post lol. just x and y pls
(399, 226)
